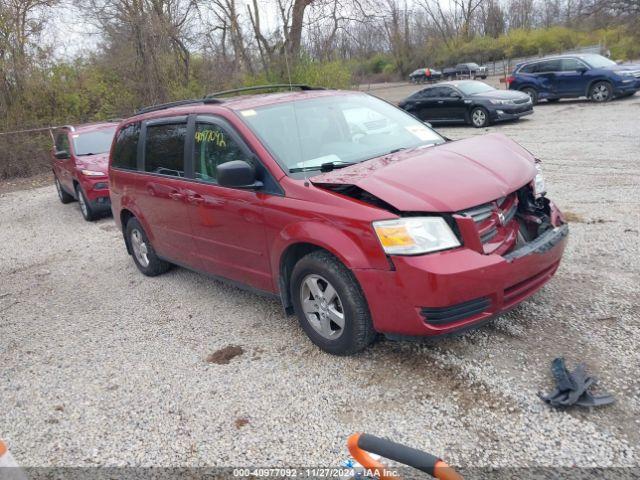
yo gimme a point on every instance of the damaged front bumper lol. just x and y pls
(453, 290)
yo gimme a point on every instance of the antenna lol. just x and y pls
(286, 63)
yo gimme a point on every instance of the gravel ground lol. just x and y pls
(102, 366)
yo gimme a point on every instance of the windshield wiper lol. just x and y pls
(325, 167)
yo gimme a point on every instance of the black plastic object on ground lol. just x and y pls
(572, 388)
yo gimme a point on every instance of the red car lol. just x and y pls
(359, 217)
(80, 157)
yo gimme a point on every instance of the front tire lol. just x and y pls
(330, 305)
(601, 92)
(144, 256)
(479, 117)
(88, 212)
(533, 94)
(62, 195)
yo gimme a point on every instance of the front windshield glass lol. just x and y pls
(92, 143)
(471, 88)
(598, 61)
(338, 130)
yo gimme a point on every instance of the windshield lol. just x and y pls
(337, 130)
(598, 61)
(471, 88)
(91, 143)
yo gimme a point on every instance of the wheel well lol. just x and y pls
(125, 216)
(288, 260)
(597, 80)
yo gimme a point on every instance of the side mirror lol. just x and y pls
(237, 174)
(581, 69)
(455, 95)
(62, 155)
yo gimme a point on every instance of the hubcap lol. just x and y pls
(530, 93)
(83, 203)
(322, 306)
(478, 117)
(600, 93)
(140, 249)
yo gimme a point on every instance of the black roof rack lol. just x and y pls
(178, 103)
(275, 86)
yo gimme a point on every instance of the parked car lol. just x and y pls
(423, 75)
(571, 76)
(449, 73)
(80, 157)
(467, 101)
(398, 232)
(470, 70)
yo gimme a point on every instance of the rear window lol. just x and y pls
(125, 151)
(164, 149)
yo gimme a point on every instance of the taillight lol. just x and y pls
(510, 80)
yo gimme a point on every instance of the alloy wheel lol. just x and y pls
(322, 306)
(83, 204)
(479, 118)
(600, 93)
(59, 189)
(140, 249)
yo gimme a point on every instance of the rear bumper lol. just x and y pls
(453, 290)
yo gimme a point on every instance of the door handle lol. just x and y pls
(440, 101)
(176, 195)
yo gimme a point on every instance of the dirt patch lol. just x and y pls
(225, 355)
(241, 422)
(27, 183)
(573, 217)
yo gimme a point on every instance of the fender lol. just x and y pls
(330, 238)
(350, 252)
(600, 78)
(127, 203)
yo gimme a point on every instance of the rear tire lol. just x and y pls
(479, 117)
(62, 195)
(326, 294)
(88, 212)
(533, 94)
(601, 92)
(144, 256)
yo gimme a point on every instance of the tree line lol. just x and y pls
(151, 51)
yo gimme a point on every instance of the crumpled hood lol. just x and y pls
(446, 178)
(97, 163)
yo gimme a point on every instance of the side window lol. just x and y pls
(444, 92)
(549, 66)
(571, 64)
(164, 149)
(62, 142)
(125, 151)
(213, 147)
(531, 68)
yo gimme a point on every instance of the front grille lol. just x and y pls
(452, 313)
(493, 220)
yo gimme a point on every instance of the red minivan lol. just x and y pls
(361, 218)
(80, 158)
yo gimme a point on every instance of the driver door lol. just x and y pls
(451, 104)
(227, 223)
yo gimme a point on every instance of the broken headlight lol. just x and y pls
(539, 185)
(415, 235)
